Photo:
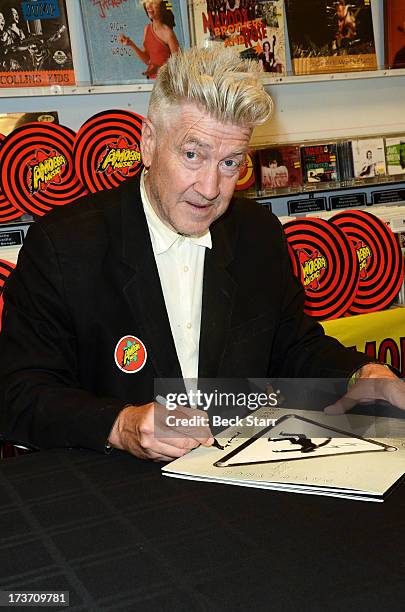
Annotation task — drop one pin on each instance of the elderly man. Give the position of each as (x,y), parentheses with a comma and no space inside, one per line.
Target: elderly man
(163,277)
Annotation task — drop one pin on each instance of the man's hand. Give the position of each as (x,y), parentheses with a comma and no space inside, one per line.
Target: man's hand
(374,382)
(146,432)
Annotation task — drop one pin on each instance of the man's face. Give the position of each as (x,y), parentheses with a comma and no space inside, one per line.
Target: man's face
(193,166)
(15,15)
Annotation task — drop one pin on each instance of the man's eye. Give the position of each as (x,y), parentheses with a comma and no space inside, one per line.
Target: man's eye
(231,163)
(191,155)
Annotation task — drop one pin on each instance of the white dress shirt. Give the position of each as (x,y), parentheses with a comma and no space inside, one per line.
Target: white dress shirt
(180,262)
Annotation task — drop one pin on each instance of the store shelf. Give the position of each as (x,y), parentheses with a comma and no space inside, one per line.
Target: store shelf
(86,89)
(309,188)
(73,90)
(336,76)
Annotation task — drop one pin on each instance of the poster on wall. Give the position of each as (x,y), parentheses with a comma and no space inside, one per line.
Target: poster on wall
(128,42)
(35,48)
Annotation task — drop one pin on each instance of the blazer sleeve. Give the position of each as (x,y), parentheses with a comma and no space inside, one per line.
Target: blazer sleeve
(41,402)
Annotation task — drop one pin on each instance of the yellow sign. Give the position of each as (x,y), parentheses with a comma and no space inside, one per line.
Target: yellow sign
(379,334)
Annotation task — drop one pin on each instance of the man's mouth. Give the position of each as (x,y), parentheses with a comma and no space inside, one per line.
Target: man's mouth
(199,205)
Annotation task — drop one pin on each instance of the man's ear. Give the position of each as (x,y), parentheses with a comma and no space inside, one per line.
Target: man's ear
(148,142)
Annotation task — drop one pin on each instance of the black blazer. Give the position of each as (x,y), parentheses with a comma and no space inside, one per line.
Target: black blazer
(87,276)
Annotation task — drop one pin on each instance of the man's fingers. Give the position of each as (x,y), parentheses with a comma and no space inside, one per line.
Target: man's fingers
(153,432)
(208,442)
(182,422)
(368,390)
(341,406)
(168,447)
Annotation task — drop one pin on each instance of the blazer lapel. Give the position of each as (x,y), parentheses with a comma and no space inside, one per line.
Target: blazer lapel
(217,303)
(143,292)
(142,288)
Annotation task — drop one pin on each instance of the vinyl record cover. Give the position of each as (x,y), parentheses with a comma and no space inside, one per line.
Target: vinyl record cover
(395,155)
(394,31)
(319,163)
(35,46)
(280,167)
(291,455)
(345,160)
(368,157)
(255,29)
(327,36)
(128,41)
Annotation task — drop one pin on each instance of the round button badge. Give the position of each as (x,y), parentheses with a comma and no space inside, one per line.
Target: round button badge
(130,354)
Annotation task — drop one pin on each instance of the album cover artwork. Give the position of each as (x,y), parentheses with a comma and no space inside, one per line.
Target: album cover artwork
(368,157)
(300,452)
(394,31)
(345,160)
(327,36)
(35,48)
(129,41)
(395,155)
(319,163)
(254,28)
(280,167)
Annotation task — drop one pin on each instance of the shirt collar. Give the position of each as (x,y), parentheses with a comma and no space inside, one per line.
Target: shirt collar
(162,236)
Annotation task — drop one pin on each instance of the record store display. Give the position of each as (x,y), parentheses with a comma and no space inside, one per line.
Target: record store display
(36,167)
(106,149)
(380,260)
(325,262)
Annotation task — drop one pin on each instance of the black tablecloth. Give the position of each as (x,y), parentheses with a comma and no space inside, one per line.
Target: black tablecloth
(119,536)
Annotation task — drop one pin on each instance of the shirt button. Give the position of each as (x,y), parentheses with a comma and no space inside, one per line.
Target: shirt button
(186,268)
(189,326)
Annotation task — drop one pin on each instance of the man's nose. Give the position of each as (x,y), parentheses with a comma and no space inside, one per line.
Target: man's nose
(208,182)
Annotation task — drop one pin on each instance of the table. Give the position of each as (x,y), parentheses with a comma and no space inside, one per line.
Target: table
(119,536)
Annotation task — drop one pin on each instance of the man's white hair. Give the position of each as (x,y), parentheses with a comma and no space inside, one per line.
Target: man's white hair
(217,80)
